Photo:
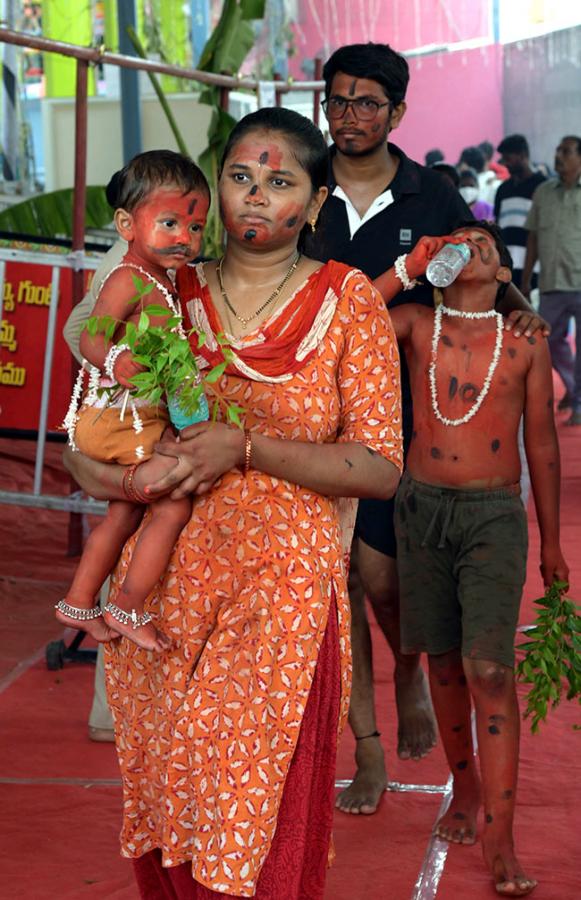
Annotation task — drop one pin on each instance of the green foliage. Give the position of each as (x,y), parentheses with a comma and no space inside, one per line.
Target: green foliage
(552,661)
(225,51)
(51,215)
(169,364)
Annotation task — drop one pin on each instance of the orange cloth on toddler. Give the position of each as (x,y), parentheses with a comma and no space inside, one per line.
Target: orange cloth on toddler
(101,434)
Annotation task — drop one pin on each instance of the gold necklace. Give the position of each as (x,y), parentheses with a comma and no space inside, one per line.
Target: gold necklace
(276,293)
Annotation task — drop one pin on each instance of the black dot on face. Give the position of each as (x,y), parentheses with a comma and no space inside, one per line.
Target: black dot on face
(263,158)
(511,352)
(192,206)
(493,729)
(447,341)
(495,445)
(253,190)
(290,223)
(463,764)
(488,818)
(248,235)
(436,453)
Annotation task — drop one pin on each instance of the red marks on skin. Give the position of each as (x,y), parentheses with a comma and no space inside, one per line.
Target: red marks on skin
(258,152)
(165,230)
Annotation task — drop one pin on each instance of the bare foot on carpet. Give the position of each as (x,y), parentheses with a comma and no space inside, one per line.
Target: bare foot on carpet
(509,878)
(367,788)
(458,824)
(417,730)
(97,628)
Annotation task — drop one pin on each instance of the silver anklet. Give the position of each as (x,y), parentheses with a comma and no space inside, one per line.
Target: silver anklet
(126,618)
(76,613)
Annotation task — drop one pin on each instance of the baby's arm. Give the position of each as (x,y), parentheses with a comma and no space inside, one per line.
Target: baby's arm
(116,299)
(542,451)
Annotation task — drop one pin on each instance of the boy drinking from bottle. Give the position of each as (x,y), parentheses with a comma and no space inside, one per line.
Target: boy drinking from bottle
(461,526)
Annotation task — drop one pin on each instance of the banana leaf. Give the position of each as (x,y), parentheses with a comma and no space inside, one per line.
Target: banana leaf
(51,215)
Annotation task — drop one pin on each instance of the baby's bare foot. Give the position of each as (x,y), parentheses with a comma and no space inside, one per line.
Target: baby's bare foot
(458,824)
(509,878)
(367,788)
(137,627)
(99,630)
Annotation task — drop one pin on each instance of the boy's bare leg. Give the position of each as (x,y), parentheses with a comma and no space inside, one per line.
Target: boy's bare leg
(498,727)
(375,574)
(101,552)
(151,555)
(451,698)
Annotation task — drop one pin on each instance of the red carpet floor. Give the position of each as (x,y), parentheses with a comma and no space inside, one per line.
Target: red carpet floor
(60,799)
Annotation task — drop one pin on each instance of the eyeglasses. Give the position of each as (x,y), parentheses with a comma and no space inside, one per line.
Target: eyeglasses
(364,109)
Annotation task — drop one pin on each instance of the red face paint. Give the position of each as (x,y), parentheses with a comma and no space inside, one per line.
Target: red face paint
(167,228)
(265,194)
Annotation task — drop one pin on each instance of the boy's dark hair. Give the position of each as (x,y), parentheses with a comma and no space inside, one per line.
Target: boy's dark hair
(514,143)
(377,62)
(449,171)
(504,256)
(474,158)
(148,171)
(311,151)
(468,173)
(433,156)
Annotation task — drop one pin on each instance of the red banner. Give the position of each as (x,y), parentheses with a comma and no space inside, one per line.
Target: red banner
(23,331)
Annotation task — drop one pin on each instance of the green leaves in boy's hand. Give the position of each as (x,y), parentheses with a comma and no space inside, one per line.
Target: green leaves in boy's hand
(552,661)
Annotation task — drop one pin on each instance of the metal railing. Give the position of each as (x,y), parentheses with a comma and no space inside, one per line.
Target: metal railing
(76,260)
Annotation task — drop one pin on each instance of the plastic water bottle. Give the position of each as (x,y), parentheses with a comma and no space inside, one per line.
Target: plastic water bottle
(446,265)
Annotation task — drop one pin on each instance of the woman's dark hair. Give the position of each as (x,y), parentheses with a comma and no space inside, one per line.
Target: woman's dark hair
(148,171)
(503,253)
(448,171)
(377,62)
(307,141)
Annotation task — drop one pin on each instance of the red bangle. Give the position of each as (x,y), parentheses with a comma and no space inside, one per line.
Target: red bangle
(129,487)
(247,450)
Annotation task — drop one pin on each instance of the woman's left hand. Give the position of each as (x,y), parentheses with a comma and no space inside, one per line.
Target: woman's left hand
(203,452)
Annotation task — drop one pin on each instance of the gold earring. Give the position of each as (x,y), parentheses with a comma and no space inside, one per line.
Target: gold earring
(313,224)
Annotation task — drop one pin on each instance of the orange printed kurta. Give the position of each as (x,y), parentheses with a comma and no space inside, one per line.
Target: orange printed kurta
(206,732)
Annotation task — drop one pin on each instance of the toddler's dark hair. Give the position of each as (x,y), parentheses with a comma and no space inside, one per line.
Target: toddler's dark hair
(148,171)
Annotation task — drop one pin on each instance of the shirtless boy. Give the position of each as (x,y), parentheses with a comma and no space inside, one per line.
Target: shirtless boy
(461,527)
(160,210)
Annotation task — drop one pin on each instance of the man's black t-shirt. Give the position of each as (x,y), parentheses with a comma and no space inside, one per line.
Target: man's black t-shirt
(419,201)
(422,202)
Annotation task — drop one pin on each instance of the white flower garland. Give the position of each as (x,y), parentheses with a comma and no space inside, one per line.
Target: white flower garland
(488,314)
(401,272)
(113,354)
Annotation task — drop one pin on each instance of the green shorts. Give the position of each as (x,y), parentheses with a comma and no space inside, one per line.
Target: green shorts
(461,559)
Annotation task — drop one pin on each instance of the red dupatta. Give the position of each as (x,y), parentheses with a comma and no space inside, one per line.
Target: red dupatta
(272,352)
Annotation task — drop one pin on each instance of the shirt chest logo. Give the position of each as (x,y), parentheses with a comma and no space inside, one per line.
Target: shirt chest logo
(405,235)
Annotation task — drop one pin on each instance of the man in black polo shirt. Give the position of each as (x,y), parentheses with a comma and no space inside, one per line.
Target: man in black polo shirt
(380,202)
